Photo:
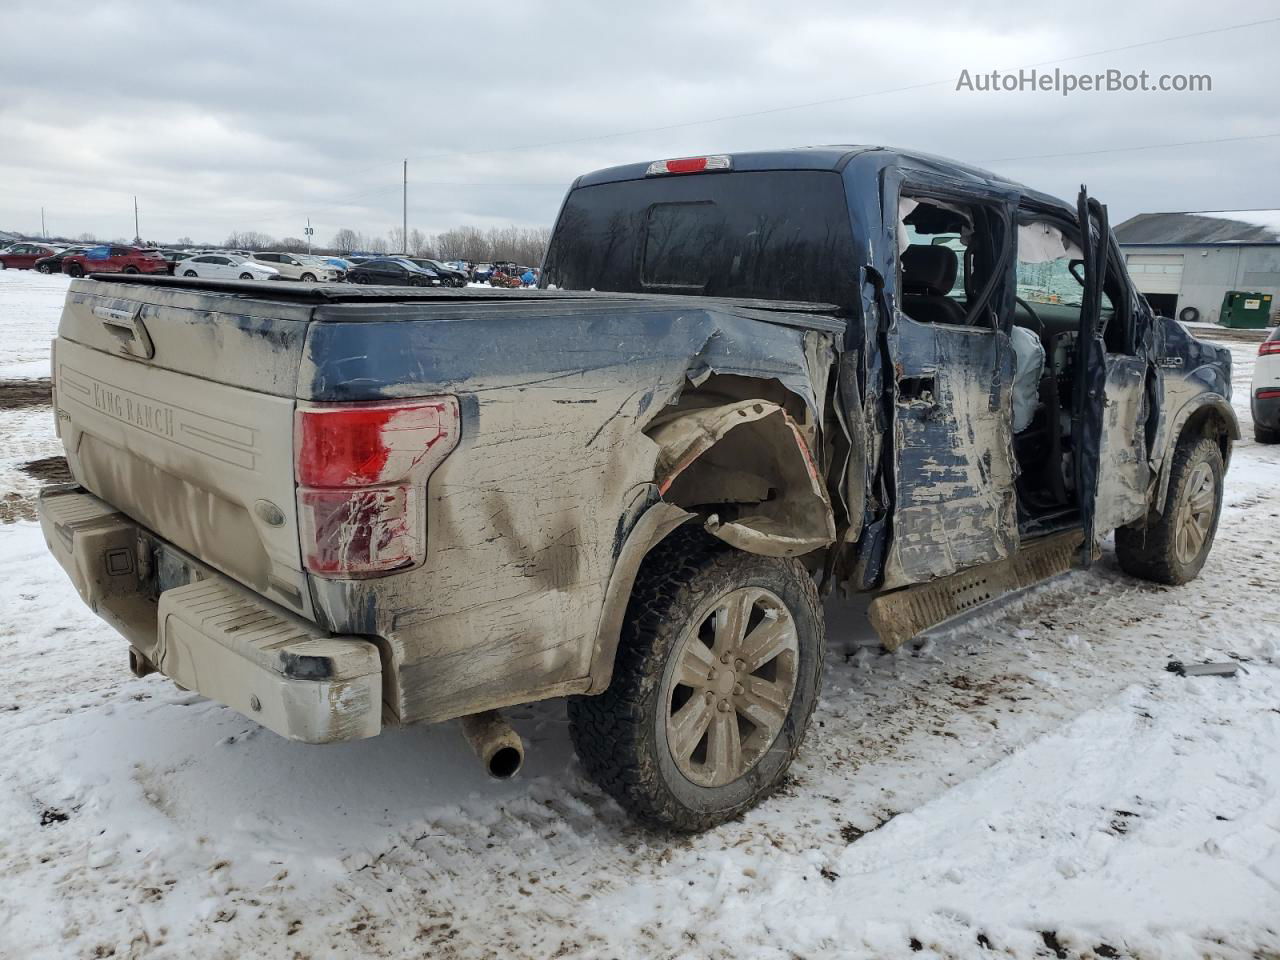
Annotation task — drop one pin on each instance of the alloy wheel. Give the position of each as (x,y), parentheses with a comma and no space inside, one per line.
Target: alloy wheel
(1195,513)
(731,688)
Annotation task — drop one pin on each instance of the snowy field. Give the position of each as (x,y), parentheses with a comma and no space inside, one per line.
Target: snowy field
(1031,783)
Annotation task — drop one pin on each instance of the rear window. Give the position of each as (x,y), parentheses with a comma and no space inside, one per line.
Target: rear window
(770,235)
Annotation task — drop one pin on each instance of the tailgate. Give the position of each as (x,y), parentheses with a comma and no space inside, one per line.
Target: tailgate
(176,407)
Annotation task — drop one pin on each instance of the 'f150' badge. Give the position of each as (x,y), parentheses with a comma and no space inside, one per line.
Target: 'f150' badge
(1168,361)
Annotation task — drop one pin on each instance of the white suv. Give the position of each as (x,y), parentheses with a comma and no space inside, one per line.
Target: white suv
(1265,390)
(299,267)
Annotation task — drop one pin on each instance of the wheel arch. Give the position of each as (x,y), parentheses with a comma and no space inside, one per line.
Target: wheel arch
(1207,415)
(745,470)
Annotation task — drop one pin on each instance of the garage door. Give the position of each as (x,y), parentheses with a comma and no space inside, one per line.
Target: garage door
(1156,272)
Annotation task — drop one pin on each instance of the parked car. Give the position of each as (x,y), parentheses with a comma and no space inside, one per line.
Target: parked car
(225,266)
(299,267)
(339,263)
(23,255)
(450,276)
(633,489)
(395,270)
(1265,390)
(110,258)
(173,257)
(53,263)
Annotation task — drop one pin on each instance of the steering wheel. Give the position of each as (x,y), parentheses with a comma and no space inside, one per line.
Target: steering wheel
(1034,316)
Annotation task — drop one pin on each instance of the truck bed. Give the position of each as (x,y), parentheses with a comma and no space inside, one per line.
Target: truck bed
(820,316)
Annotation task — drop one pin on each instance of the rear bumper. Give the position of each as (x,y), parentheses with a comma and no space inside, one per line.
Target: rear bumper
(1266,412)
(208,633)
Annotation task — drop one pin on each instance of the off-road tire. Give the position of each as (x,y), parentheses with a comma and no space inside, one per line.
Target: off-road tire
(1265,435)
(619,735)
(1149,551)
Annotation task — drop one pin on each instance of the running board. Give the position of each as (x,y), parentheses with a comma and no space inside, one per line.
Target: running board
(902,614)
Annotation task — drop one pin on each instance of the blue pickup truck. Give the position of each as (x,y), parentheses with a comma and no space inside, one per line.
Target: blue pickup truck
(744,381)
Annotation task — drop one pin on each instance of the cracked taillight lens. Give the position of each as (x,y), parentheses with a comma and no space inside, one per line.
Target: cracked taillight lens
(362,472)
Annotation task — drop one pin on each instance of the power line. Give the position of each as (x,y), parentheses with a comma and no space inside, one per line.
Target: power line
(1144,146)
(834,100)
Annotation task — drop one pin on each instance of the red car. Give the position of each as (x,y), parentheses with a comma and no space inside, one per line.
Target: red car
(22,256)
(112,259)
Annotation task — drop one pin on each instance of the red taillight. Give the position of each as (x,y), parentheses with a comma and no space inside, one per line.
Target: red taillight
(689,165)
(1268,347)
(1268,394)
(362,470)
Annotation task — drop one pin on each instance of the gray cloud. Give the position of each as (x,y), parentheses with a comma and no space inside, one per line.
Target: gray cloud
(252,117)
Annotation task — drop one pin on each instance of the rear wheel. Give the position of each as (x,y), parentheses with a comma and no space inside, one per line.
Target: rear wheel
(717,673)
(130,269)
(189,273)
(1173,546)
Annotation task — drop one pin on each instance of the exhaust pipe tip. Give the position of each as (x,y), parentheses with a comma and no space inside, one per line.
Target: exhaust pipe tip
(493,741)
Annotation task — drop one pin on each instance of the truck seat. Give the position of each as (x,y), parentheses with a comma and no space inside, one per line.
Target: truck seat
(928,274)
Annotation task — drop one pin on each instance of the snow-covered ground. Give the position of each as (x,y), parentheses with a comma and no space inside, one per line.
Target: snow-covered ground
(1029,783)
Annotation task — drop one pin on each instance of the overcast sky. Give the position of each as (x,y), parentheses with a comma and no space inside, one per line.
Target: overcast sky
(231,116)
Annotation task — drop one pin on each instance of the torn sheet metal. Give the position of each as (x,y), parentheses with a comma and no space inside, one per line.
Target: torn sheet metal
(522,518)
(755,455)
(954,465)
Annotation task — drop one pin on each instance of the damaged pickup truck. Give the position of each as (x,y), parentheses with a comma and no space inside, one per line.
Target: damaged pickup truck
(747,380)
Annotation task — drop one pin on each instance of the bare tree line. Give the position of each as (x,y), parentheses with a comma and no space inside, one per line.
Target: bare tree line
(524,245)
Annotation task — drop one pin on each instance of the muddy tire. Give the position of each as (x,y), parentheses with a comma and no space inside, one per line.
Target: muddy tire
(1265,435)
(1173,546)
(718,670)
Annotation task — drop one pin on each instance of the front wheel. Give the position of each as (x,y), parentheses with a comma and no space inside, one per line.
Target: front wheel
(1172,547)
(130,269)
(76,270)
(309,277)
(246,276)
(717,673)
(44,268)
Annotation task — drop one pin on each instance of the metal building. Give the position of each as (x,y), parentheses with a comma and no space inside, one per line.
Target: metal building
(1184,262)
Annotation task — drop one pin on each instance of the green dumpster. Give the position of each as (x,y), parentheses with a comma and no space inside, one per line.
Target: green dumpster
(1251,310)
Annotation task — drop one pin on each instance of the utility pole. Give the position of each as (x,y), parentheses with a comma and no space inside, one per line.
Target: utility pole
(44,234)
(137,234)
(404,225)
(310,232)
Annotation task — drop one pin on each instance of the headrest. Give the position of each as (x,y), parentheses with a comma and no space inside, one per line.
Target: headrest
(928,269)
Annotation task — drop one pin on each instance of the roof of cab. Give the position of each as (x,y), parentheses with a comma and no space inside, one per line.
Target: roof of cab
(833,157)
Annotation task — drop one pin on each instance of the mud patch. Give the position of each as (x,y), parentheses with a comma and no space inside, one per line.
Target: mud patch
(48,470)
(25,393)
(15,507)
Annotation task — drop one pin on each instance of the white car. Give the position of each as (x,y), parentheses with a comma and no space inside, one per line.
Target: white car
(299,267)
(224,266)
(1264,392)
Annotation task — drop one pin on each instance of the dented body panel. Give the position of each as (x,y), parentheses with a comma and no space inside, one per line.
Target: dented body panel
(876,448)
